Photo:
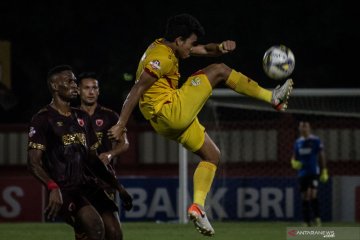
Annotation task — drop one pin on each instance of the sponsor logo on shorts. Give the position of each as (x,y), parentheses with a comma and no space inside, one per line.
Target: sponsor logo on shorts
(196,81)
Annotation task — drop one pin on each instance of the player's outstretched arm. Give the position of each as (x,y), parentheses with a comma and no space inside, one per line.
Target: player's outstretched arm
(214,49)
(144,82)
(118,148)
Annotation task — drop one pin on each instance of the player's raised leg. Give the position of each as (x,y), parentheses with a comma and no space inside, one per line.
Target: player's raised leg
(242,84)
(278,98)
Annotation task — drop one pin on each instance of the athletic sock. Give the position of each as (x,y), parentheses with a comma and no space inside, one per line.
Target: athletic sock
(203,178)
(244,85)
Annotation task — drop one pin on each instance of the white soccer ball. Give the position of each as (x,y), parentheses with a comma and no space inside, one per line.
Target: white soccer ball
(278,62)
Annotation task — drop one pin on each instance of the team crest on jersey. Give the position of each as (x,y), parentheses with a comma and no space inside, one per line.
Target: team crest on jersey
(195,81)
(155,64)
(99,122)
(32,131)
(81,122)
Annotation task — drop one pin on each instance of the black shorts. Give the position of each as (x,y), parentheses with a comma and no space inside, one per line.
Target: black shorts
(73,201)
(306,182)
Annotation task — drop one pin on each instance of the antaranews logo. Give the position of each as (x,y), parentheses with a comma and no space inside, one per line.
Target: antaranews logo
(316,233)
(292,233)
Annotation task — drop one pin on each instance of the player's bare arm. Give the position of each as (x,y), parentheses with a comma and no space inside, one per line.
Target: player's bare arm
(213,49)
(145,81)
(118,148)
(36,168)
(35,165)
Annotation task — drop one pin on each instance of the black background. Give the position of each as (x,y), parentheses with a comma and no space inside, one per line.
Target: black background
(110,37)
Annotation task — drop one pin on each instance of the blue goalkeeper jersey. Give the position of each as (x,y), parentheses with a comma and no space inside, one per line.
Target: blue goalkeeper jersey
(307,152)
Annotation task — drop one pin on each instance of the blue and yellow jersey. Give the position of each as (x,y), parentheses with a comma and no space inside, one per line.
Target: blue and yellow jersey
(307,151)
(159,61)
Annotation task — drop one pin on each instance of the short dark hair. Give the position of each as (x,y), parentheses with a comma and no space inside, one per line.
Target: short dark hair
(56,70)
(183,25)
(84,75)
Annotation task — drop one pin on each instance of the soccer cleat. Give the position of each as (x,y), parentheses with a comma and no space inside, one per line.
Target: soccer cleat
(280,95)
(317,222)
(198,216)
(305,224)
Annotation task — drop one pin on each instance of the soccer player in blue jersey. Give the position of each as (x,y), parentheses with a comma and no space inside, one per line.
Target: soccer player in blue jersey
(309,160)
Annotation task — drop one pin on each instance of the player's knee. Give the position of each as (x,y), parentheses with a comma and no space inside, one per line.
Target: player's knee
(218,68)
(217,72)
(97,232)
(218,155)
(113,233)
(215,156)
(96,235)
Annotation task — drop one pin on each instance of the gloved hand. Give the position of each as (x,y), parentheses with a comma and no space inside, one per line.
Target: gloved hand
(296,164)
(324,175)
(125,198)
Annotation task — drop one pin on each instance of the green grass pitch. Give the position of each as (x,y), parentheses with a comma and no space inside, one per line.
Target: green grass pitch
(159,231)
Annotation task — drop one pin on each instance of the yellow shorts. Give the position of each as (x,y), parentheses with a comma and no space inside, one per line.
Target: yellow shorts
(177,120)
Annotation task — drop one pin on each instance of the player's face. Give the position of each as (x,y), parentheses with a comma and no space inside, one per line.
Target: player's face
(89,91)
(184,46)
(66,86)
(304,128)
